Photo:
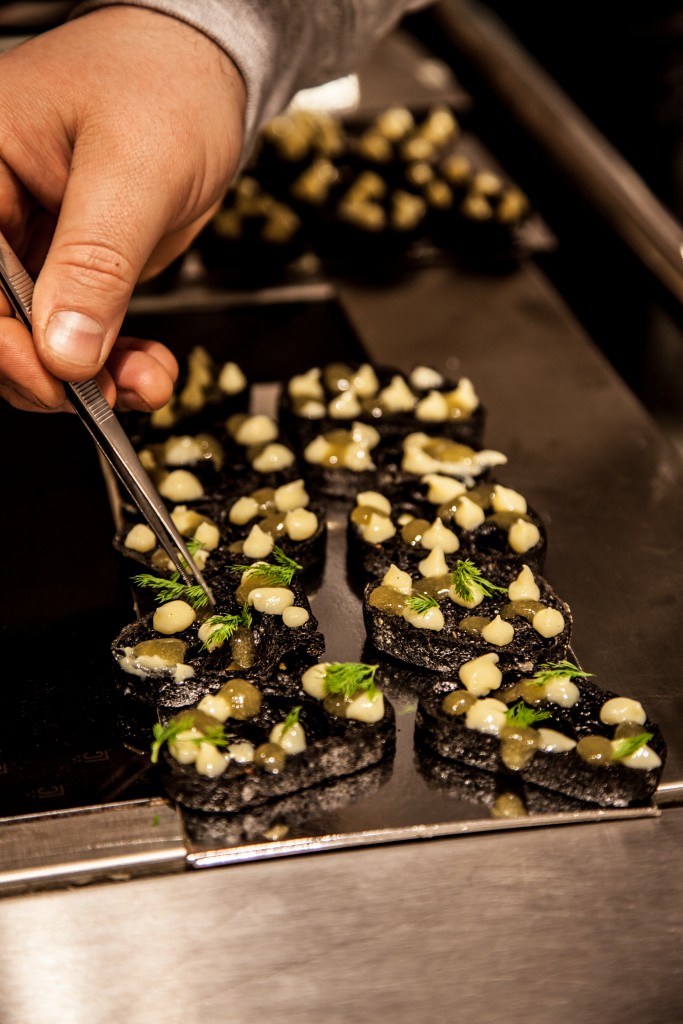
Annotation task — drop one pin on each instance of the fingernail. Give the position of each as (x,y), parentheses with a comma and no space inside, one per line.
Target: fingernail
(75,337)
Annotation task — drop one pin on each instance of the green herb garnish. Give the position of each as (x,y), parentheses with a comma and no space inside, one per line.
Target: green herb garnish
(193,546)
(346,677)
(291,719)
(629,745)
(421,603)
(167,733)
(227,625)
(552,670)
(522,715)
(278,575)
(466,577)
(172,590)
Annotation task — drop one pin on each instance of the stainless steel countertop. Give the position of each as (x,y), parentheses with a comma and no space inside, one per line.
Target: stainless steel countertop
(579,923)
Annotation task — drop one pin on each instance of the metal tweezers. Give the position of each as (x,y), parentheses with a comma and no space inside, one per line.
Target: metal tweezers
(92,407)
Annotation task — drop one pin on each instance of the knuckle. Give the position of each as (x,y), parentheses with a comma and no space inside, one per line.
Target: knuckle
(98,265)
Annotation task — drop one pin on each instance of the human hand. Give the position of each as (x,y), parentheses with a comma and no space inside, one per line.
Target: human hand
(119,134)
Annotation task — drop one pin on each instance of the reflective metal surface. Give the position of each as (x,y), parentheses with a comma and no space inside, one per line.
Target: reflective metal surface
(540,925)
(550,435)
(579,151)
(112,842)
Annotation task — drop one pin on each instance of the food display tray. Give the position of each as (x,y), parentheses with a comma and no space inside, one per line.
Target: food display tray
(68,766)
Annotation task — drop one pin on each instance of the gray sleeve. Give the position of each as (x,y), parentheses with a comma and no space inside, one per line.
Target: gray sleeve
(281,46)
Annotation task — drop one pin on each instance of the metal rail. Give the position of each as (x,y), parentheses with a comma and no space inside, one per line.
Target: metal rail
(580,151)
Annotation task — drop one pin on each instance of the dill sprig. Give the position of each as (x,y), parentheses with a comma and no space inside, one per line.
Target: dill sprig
(557,669)
(629,745)
(466,577)
(227,625)
(193,546)
(278,575)
(291,720)
(172,590)
(347,677)
(522,715)
(167,733)
(421,603)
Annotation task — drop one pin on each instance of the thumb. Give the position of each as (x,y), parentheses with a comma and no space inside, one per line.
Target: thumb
(104,235)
